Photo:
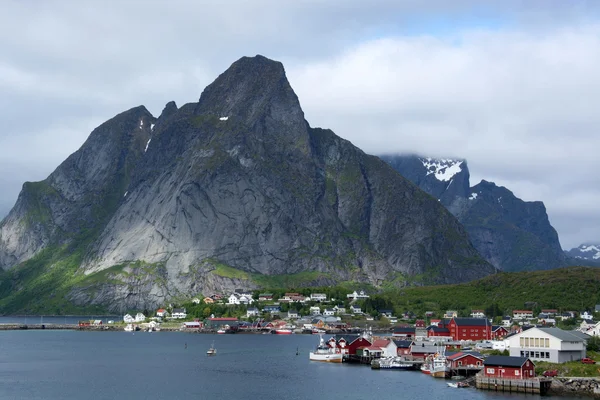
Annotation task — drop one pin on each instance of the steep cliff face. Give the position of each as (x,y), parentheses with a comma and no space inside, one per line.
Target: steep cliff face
(80,196)
(511,234)
(240,182)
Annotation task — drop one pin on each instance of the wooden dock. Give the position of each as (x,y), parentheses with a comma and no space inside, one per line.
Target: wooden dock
(534,386)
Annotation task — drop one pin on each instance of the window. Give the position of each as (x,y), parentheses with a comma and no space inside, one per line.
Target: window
(490,370)
(547,342)
(547,355)
(522,353)
(522,342)
(517,372)
(537,354)
(526,342)
(460,363)
(537,342)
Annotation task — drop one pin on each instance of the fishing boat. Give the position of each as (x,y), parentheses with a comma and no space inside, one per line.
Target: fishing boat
(283,331)
(325,353)
(439,367)
(393,363)
(212,351)
(426,369)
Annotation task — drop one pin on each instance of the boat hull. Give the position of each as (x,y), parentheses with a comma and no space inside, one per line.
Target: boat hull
(332,358)
(283,332)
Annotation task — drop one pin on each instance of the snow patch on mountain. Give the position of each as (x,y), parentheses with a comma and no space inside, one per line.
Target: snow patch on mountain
(443,169)
(587,251)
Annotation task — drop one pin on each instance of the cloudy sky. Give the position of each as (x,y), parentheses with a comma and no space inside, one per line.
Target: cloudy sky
(512,86)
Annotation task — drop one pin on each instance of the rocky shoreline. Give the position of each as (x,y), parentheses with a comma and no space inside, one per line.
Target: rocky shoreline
(576,386)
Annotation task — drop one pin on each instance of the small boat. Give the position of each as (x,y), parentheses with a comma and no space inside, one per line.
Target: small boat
(425,369)
(283,331)
(394,363)
(458,384)
(316,331)
(325,353)
(129,328)
(221,331)
(212,351)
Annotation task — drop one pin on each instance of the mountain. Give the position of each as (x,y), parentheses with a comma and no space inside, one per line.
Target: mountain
(586,251)
(234,191)
(511,234)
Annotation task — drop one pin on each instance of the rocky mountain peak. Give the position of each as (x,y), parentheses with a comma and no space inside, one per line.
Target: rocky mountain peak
(255,91)
(586,251)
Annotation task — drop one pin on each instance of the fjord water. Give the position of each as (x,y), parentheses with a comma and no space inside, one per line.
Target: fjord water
(120,365)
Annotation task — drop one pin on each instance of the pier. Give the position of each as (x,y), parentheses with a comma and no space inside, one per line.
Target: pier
(534,386)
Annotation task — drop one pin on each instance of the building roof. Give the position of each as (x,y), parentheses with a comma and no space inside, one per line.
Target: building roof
(381,342)
(505,361)
(567,336)
(437,329)
(471,321)
(223,319)
(497,327)
(404,329)
(461,354)
(403,344)
(582,335)
(424,348)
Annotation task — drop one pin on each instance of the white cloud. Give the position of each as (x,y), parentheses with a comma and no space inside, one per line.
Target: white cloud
(515,90)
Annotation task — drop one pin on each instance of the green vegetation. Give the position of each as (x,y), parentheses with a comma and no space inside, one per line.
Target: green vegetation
(300,279)
(571,368)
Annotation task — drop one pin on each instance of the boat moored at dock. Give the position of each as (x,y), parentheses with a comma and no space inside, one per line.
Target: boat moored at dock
(324,353)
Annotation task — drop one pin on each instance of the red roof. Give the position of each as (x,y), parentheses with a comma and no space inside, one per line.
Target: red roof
(223,319)
(161,310)
(373,348)
(381,342)
(461,355)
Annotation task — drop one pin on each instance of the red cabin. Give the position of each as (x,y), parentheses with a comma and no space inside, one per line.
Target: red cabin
(465,360)
(470,329)
(506,367)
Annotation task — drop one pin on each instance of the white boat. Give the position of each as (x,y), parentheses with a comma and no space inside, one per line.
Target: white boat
(439,367)
(283,331)
(325,353)
(394,363)
(129,328)
(212,351)
(452,384)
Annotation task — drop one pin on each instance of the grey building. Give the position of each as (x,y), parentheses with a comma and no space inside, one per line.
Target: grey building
(548,344)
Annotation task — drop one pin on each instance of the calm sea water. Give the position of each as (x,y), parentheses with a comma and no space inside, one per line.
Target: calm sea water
(120,365)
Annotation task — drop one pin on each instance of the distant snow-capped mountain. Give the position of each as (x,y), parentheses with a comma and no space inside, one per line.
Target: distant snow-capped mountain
(587,251)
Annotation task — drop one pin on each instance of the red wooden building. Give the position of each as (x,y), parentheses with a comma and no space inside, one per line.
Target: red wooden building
(470,328)
(506,367)
(437,331)
(420,323)
(403,347)
(465,360)
(499,332)
(347,344)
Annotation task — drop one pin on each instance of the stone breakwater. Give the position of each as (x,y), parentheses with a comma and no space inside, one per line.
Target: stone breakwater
(577,386)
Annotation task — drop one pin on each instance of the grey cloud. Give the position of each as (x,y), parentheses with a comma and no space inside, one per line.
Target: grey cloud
(518,101)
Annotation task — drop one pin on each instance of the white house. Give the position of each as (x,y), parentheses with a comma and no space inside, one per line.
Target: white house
(139,317)
(506,322)
(548,344)
(315,310)
(328,311)
(357,296)
(161,312)
(292,314)
(477,314)
(522,314)
(233,299)
(128,318)
(252,312)
(179,313)
(318,297)
(586,315)
(196,300)
(246,299)
(339,309)
(355,310)
(450,314)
